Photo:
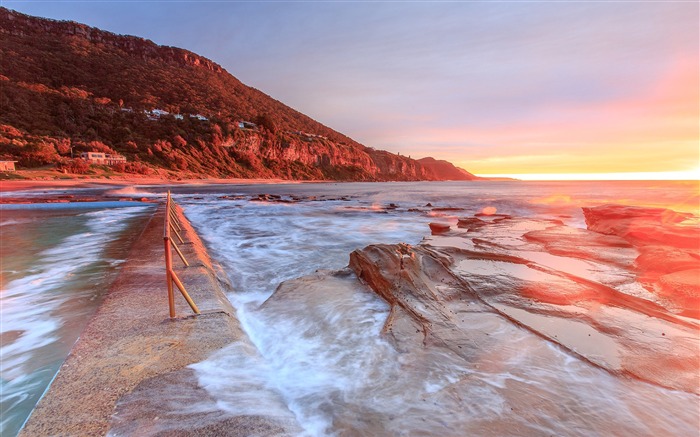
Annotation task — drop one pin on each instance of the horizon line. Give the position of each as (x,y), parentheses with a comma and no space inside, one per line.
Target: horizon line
(688,175)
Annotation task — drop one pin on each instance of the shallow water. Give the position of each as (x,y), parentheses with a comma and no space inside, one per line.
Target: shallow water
(318,355)
(57,262)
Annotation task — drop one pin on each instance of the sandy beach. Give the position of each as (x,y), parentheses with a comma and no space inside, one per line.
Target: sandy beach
(18,185)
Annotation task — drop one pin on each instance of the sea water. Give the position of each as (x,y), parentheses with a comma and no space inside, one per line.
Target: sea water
(58,260)
(324,361)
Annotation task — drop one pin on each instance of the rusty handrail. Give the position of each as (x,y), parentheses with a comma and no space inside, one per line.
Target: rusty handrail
(172,223)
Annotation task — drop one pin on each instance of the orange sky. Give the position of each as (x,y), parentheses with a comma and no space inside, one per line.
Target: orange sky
(655,132)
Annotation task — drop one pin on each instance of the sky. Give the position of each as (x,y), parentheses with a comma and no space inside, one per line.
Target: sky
(545,90)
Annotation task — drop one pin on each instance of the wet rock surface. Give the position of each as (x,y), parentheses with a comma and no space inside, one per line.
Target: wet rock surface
(519,326)
(501,326)
(595,294)
(176,405)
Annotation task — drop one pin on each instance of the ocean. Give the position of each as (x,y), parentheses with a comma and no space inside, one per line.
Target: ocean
(324,361)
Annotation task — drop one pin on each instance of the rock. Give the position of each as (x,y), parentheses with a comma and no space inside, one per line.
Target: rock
(583,244)
(668,243)
(447,209)
(438,228)
(492,327)
(470,223)
(659,259)
(619,338)
(644,225)
(268,198)
(682,288)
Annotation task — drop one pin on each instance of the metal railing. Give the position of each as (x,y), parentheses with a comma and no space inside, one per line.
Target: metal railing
(172,223)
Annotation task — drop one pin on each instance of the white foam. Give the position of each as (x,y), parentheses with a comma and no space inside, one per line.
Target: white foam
(29,301)
(134,192)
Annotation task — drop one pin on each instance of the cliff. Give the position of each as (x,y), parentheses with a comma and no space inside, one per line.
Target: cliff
(69,87)
(446,169)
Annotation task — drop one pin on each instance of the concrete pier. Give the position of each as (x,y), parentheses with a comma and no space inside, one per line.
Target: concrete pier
(131,345)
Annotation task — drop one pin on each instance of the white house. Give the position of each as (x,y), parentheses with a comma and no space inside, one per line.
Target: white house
(102,158)
(7,165)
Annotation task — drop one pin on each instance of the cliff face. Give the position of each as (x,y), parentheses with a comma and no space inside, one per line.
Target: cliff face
(67,85)
(446,170)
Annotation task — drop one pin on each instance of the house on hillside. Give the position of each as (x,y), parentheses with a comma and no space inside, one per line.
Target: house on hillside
(7,165)
(156,114)
(309,137)
(102,158)
(247,125)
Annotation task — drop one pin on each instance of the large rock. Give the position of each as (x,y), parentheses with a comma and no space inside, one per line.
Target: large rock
(644,225)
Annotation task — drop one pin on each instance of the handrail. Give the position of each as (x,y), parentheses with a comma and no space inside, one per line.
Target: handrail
(172,223)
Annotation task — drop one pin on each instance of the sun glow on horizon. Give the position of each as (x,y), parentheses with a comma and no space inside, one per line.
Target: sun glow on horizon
(688,175)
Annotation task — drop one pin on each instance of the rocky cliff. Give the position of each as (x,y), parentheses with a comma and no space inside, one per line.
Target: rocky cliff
(67,86)
(446,169)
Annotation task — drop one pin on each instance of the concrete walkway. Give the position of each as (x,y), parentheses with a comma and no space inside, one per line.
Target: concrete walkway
(131,342)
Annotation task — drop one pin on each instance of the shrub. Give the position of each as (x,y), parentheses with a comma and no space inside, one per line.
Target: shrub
(38,154)
(75,166)
(137,168)
(265,120)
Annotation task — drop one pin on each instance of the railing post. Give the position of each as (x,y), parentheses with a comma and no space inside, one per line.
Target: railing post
(187,297)
(177,234)
(175,221)
(168,259)
(182,257)
(172,223)
(169,278)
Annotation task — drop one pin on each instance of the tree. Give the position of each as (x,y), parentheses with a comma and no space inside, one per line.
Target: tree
(265,120)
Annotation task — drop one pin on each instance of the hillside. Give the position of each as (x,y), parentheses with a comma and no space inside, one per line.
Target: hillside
(66,88)
(446,169)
